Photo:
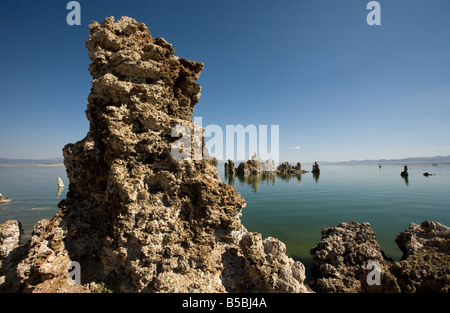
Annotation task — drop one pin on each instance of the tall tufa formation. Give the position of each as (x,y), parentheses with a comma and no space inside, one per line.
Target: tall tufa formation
(136,218)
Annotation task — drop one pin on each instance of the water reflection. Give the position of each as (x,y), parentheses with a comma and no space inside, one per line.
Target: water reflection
(255,179)
(289,176)
(60,187)
(405,175)
(58,193)
(316,176)
(406,180)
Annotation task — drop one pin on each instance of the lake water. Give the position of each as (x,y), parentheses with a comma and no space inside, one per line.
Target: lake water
(34,191)
(295,208)
(292,208)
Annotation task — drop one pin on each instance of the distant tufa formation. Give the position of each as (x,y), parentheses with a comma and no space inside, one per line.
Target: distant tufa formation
(255,166)
(4,200)
(136,219)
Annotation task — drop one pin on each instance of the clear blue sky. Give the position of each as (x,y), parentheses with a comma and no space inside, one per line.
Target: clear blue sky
(339,88)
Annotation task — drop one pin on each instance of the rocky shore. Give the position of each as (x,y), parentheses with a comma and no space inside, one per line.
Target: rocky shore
(138,220)
(342,260)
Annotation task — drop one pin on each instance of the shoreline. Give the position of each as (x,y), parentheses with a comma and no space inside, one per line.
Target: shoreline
(33,165)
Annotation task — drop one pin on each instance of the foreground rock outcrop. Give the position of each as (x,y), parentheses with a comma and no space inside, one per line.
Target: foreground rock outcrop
(10,234)
(343,257)
(425,264)
(136,218)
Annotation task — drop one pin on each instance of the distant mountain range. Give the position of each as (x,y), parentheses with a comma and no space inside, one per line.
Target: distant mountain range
(435,159)
(31,161)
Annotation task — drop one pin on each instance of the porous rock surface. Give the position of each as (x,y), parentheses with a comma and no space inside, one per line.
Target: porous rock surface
(10,233)
(342,256)
(249,167)
(425,265)
(136,218)
(230,167)
(341,259)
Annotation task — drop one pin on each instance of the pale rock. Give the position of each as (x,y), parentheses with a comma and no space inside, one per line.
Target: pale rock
(10,234)
(4,200)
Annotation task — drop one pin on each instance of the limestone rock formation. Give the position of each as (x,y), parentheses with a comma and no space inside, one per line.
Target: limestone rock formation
(428,236)
(4,200)
(249,167)
(269,166)
(405,172)
(342,257)
(135,217)
(230,167)
(425,265)
(255,166)
(315,168)
(286,168)
(60,183)
(10,233)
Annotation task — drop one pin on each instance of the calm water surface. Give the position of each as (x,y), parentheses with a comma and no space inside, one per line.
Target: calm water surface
(292,208)
(295,208)
(34,191)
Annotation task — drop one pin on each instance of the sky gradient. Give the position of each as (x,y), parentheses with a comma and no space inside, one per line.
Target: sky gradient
(338,88)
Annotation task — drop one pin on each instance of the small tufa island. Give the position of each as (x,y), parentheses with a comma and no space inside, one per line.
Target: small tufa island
(4,200)
(255,166)
(60,183)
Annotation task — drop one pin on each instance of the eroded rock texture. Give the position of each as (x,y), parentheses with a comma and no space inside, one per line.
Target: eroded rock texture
(230,167)
(249,167)
(10,233)
(135,218)
(342,257)
(425,265)
(341,260)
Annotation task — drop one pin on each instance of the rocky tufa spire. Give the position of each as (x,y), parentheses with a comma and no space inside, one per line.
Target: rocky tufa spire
(135,217)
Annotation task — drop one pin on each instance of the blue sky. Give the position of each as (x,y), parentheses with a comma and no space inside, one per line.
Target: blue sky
(337,87)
